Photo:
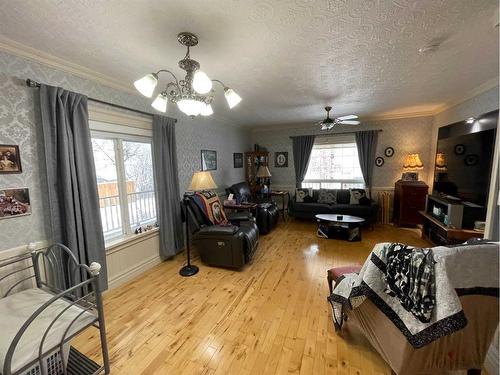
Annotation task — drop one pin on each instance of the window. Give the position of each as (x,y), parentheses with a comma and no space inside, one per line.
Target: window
(334,164)
(125,183)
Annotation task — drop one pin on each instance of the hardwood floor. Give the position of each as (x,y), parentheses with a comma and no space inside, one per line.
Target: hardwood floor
(270,318)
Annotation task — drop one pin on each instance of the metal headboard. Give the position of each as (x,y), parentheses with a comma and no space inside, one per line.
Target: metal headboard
(56,269)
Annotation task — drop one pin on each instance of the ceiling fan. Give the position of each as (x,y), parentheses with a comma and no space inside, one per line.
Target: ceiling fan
(328,123)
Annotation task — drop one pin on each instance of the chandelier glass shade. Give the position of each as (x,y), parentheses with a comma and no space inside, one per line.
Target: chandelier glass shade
(193,94)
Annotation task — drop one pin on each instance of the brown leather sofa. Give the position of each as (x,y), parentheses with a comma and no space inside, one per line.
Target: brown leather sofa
(229,246)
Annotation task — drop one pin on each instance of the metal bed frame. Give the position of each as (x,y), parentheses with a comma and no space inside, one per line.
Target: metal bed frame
(56,271)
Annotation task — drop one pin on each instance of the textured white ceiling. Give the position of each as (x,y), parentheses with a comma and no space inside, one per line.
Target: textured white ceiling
(287,58)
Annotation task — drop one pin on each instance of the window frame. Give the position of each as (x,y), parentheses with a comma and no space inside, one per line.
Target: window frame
(118,139)
(323,143)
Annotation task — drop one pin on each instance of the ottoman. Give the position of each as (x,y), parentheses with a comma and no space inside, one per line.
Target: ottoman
(267,215)
(333,274)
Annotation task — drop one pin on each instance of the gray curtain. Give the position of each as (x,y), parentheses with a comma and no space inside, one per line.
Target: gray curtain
(366,142)
(167,186)
(72,188)
(302,147)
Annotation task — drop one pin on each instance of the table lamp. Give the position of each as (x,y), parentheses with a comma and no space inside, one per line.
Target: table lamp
(411,164)
(441,162)
(201,180)
(263,172)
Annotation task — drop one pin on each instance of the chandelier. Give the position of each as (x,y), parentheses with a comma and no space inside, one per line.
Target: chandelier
(193,94)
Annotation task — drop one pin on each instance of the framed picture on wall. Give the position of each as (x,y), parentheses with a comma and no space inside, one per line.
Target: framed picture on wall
(14,202)
(10,159)
(238,160)
(281,159)
(208,160)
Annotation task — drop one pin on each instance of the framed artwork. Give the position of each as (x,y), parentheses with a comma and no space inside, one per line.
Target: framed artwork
(281,159)
(389,152)
(10,159)
(379,161)
(14,202)
(459,149)
(238,160)
(208,160)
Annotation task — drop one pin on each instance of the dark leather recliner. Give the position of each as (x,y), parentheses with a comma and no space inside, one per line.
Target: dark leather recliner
(229,246)
(267,214)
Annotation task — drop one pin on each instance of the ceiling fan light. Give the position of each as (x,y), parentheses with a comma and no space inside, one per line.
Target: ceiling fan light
(231,97)
(202,84)
(190,107)
(160,103)
(147,84)
(207,110)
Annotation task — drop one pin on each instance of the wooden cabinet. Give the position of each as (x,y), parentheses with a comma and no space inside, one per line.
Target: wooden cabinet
(253,160)
(409,198)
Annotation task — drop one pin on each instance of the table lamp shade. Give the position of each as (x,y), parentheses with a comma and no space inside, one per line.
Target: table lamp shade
(413,163)
(263,171)
(202,180)
(441,162)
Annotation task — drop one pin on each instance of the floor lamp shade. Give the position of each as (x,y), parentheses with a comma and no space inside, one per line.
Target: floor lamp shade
(202,180)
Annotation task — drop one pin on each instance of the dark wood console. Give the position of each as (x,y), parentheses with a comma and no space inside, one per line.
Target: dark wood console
(442,234)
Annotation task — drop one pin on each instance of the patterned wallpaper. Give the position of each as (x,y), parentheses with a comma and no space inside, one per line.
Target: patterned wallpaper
(404,135)
(18,125)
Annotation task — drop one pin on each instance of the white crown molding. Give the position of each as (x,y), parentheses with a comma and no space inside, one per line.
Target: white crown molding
(399,115)
(52,61)
(485,86)
(66,66)
(30,53)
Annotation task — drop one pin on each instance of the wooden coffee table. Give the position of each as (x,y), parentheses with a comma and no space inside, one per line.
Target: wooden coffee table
(344,227)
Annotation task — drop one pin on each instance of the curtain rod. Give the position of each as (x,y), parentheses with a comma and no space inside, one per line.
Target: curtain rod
(330,134)
(35,84)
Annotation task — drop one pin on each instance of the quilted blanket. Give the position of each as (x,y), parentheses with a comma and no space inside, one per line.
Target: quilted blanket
(471,268)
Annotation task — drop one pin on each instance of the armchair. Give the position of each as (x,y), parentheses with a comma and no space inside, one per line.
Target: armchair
(230,246)
(266,214)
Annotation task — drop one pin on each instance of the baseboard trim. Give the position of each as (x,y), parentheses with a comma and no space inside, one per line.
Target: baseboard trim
(491,363)
(133,271)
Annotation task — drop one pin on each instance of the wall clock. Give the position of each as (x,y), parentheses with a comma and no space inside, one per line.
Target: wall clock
(389,152)
(379,161)
(281,159)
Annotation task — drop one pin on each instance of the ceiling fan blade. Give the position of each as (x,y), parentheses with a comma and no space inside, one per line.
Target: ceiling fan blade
(348,117)
(350,122)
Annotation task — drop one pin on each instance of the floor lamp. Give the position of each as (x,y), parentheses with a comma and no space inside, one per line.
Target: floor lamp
(202,180)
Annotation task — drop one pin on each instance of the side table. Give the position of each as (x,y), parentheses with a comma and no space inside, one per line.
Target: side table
(285,200)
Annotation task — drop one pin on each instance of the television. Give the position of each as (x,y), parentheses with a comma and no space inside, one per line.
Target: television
(464,159)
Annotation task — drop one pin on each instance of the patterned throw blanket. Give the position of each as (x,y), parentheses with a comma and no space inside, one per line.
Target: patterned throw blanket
(209,203)
(419,289)
(409,276)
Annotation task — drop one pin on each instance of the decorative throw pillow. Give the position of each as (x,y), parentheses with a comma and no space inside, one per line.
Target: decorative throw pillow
(364,201)
(308,199)
(209,202)
(301,194)
(357,195)
(327,196)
